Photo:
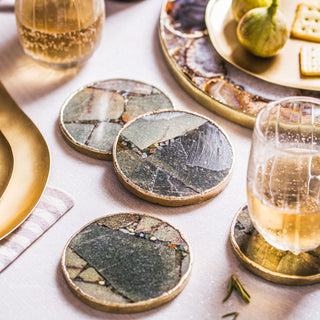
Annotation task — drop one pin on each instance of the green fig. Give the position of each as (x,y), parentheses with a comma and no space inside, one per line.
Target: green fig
(240,7)
(263,31)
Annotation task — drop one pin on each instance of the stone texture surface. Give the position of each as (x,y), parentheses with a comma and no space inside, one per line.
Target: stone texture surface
(183,154)
(93,116)
(127,258)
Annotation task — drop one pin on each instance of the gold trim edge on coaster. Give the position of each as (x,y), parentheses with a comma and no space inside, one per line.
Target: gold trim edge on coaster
(172,200)
(258,269)
(134,307)
(88,150)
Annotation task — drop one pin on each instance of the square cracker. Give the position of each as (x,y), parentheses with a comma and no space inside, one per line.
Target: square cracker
(310,60)
(306,25)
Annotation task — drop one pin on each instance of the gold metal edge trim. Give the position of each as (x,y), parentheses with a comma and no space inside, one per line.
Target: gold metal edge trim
(87,150)
(263,272)
(169,200)
(223,110)
(96,154)
(136,306)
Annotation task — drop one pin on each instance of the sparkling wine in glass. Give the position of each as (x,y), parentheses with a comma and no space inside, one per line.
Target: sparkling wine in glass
(60,33)
(283,180)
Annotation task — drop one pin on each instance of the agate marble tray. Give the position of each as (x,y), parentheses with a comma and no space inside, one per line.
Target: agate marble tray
(208,78)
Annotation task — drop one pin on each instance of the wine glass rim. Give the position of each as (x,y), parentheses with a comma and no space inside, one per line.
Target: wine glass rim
(274,103)
(258,128)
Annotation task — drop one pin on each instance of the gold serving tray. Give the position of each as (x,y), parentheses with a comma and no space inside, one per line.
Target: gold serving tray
(6,163)
(202,72)
(31,164)
(282,69)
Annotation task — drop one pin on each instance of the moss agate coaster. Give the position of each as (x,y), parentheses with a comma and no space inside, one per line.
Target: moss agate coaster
(268,262)
(173,158)
(92,116)
(126,263)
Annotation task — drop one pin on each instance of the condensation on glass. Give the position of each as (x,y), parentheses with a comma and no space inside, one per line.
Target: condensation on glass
(284,174)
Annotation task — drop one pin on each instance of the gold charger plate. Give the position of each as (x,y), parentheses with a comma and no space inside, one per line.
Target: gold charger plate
(31,164)
(282,69)
(6,163)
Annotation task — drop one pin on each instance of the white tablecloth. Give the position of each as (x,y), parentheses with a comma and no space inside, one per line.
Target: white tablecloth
(33,286)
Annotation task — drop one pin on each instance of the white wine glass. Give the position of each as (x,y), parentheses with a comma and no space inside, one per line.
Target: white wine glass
(283,179)
(60,33)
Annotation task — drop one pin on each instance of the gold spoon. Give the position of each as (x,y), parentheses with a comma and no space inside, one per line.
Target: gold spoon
(31,164)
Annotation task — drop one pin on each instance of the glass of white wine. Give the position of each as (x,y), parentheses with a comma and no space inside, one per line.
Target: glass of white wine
(60,33)
(283,179)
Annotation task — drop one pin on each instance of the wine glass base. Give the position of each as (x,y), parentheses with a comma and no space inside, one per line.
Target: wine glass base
(58,65)
(268,262)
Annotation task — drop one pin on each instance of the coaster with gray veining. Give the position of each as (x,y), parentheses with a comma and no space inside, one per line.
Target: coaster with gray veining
(127,263)
(173,158)
(92,116)
(268,262)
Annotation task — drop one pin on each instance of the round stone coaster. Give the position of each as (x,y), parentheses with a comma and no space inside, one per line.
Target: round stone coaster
(92,116)
(173,158)
(126,263)
(270,263)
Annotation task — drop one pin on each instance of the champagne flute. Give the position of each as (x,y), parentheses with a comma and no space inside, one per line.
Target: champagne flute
(283,179)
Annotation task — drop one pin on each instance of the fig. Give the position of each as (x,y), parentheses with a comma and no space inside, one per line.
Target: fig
(240,7)
(263,31)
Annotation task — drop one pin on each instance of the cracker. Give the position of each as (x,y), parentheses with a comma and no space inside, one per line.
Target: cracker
(306,25)
(310,60)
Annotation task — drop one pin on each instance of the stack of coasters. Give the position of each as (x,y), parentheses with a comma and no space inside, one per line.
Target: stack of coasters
(127,263)
(168,157)
(92,116)
(130,262)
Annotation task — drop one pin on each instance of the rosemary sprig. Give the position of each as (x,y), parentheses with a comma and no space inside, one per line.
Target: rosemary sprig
(234,283)
(243,292)
(234,314)
(229,289)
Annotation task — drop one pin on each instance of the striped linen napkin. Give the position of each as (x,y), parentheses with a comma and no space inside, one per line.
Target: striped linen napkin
(53,204)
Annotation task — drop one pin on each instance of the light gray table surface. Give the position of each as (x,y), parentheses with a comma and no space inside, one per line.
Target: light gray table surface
(33,286)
